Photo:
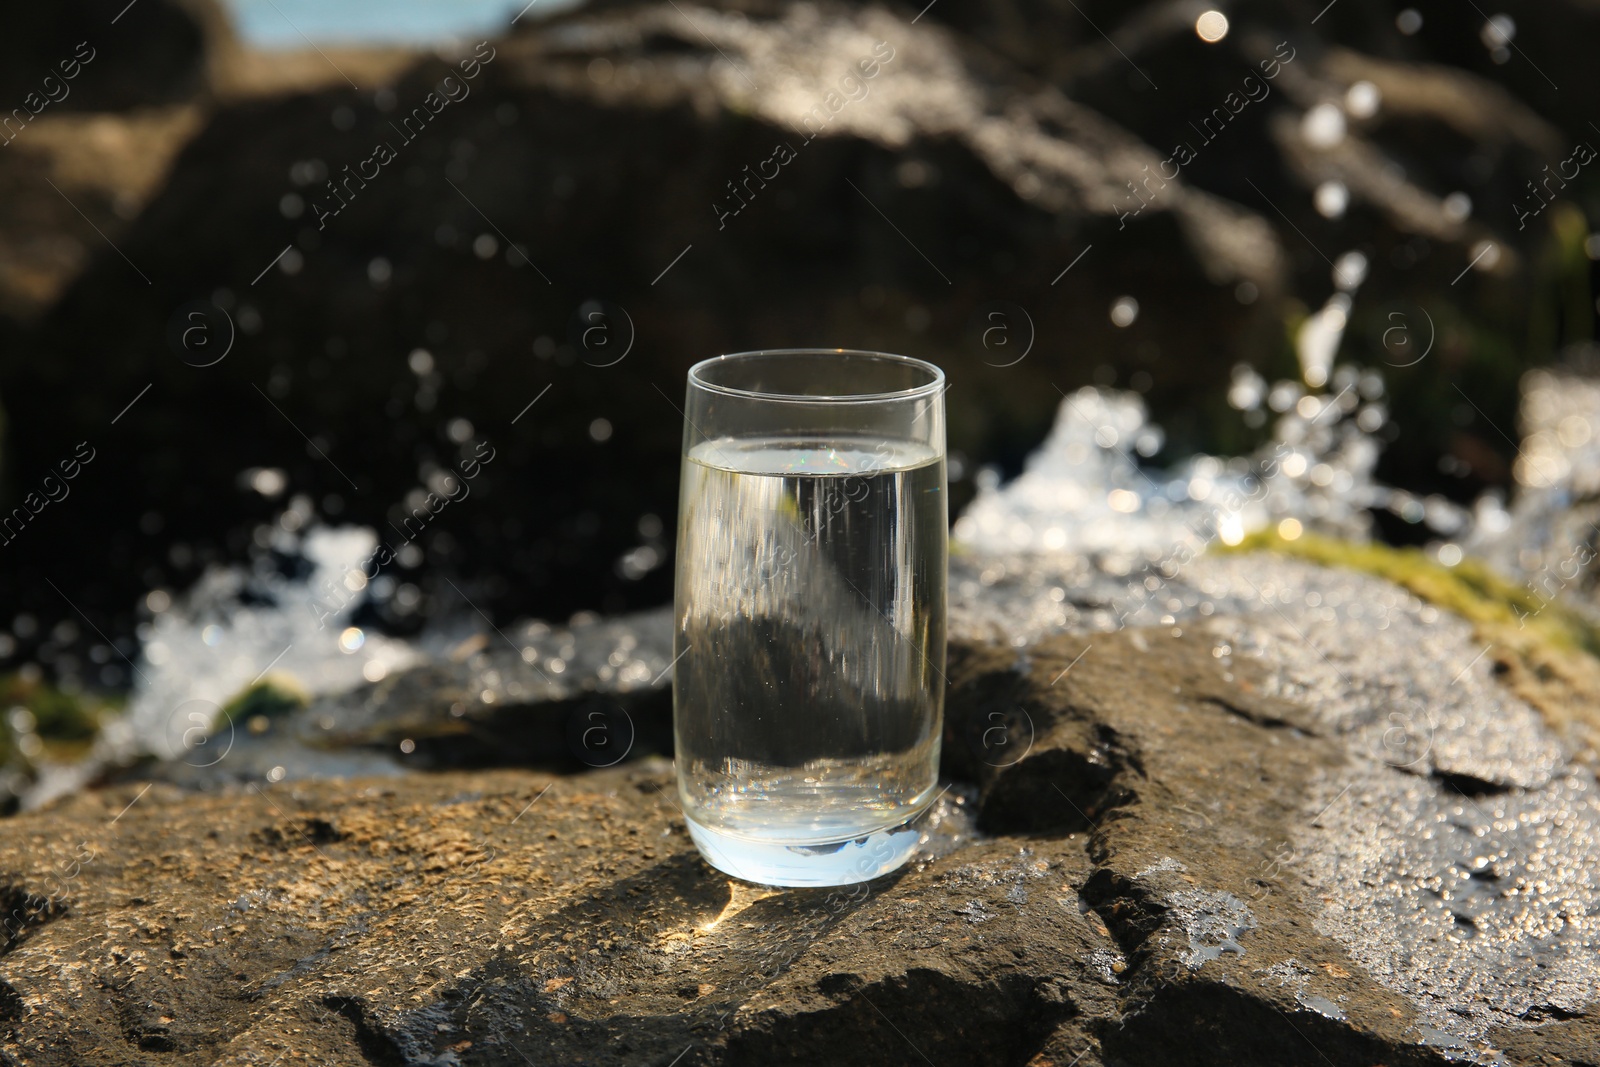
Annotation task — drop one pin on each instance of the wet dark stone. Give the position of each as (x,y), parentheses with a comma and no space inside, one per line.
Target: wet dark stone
(1166,874)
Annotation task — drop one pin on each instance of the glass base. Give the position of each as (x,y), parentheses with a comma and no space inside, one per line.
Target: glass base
(856,859)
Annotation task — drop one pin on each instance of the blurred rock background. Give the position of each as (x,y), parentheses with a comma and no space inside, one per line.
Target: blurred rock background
(565,236)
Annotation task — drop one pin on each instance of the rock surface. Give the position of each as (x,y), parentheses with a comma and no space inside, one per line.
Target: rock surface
(1295,821)
(530,695)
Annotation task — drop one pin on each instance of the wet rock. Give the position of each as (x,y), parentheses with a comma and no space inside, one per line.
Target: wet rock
(236,756)
(1142,532)
(579,925)
(530,694)
(1393,819)
(1362,658)
(591,694)
(1197,840)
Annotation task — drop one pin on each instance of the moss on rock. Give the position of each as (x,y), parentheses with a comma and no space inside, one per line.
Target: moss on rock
(64,722)
(58,715)
(269,699)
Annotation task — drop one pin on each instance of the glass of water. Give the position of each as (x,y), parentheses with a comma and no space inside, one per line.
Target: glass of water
(809,690)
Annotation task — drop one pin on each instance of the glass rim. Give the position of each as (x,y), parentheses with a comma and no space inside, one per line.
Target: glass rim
(935,383)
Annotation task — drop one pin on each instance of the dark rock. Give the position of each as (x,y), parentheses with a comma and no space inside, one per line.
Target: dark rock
(1358,773)
(603,145)
(941,144)
(591,694)
(1202,853)
(527,695)
(117,56)
(1203,791)
(236,756)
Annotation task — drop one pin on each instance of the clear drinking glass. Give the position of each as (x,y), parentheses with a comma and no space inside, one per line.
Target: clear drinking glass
(809,690)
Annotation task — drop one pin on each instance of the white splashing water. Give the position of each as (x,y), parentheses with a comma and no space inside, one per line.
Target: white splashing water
(234,628)
(1084,491)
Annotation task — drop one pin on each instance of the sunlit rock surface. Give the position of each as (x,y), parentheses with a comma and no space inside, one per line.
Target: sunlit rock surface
(1452,853)
(1204,808)
(1186,847)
